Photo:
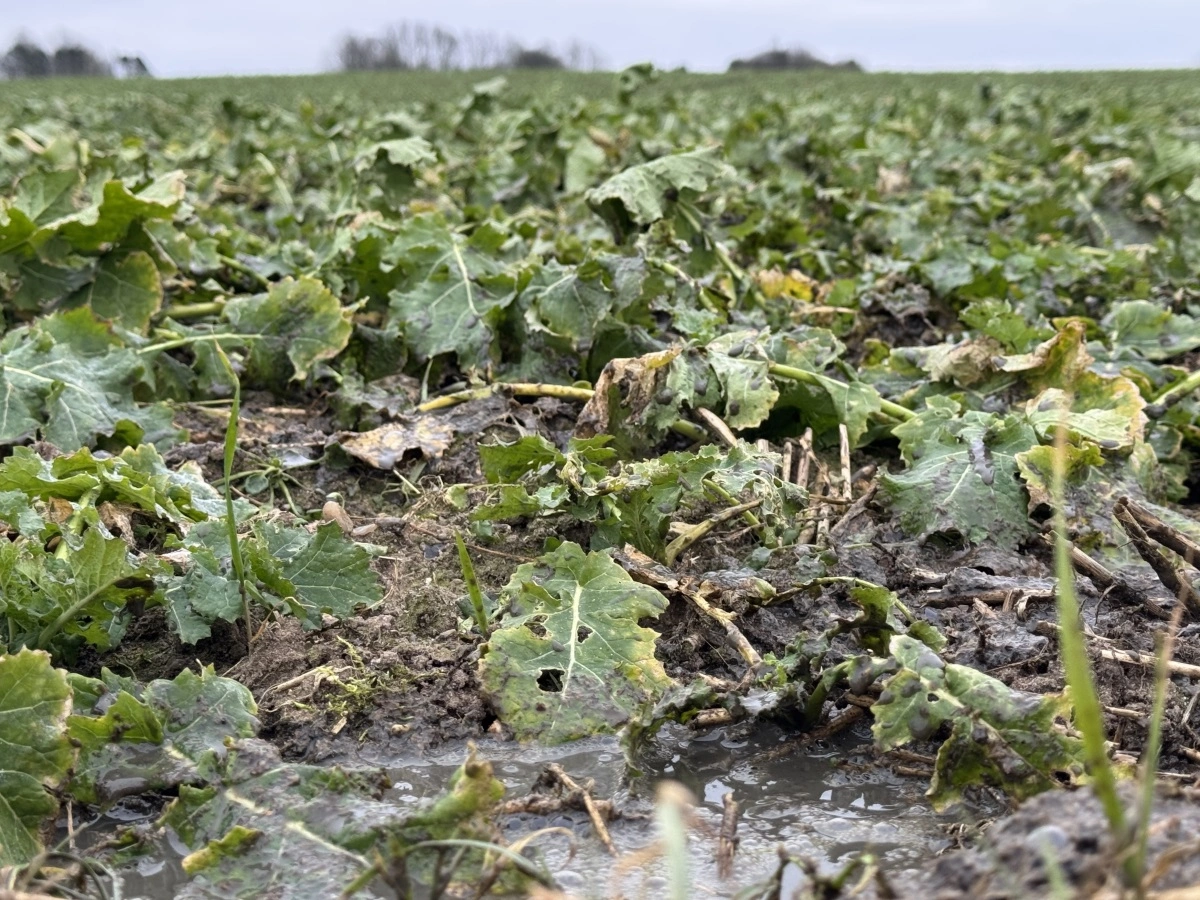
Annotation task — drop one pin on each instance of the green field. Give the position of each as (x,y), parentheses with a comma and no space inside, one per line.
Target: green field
(420,408)
(372,88)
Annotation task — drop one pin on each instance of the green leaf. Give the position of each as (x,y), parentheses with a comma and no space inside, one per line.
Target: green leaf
(17,512)
(638,195)
(35,701)
(1150,329)
(299,323)
(1108,411)
(52,600)
(962,477)
(997,319)
(108,217)
(158,736)
(648,495)
(458,293)
(567,303)
(998,737)
(137,478)
(314,573)
(71,398)
(569,658)
(326,824)
(199,711)
(749,392)
(509,463)
(127,291)
(199,597)
(402,153)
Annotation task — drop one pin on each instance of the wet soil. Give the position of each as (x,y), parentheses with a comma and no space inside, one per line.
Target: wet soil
(396,686)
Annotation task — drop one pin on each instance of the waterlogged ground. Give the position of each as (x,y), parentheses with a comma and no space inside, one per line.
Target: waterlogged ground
(708,424)
(825,804)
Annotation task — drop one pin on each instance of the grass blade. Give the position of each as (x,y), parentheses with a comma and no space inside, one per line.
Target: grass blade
(1089,717)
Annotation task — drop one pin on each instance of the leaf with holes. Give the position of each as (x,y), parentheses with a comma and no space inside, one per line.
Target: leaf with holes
(569,658)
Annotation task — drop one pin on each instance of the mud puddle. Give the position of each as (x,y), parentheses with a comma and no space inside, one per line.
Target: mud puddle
(818,802)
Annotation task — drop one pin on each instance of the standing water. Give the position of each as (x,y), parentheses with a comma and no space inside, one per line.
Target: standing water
(823,803)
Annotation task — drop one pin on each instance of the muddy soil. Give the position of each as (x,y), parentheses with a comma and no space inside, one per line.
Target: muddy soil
(400,680)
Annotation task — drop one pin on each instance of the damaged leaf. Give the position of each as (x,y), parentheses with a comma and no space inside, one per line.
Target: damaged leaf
(961,481)
(35,701)
(569,658)
(998,736)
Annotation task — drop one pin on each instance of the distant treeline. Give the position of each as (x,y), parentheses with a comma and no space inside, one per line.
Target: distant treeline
(791,59)
(26,59)
(414,45)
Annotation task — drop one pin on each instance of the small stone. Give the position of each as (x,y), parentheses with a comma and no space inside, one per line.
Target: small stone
(332,512)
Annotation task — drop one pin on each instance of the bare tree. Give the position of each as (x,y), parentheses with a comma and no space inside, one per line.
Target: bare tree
(445,45)
(25,59)
(77,60)
(528,58)
(415,45)
(582,57)
(791,59)
(482,50)
(133,67)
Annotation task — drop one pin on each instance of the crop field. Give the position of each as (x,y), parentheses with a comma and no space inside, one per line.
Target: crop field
(601,485)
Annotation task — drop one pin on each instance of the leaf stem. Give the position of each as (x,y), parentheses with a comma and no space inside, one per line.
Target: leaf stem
(192,310)
(689,430)
(699,530)
(230,263)
(748,517)
(1176,392)
(51,630)
(517,389)
(895,410)
(235,547)
(196,339)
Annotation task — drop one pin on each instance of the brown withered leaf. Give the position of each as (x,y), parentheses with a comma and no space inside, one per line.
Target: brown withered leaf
(625,398)
(431,433)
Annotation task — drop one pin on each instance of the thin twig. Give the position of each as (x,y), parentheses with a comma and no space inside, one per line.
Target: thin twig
(716,426)
(1110,584)
(727,839)
(806,457)
(725,620)
(1148,661)
(585,796)
(699,530)
(1170,537)
(1166,572)
(856,509)
(990,598)
(785,468)
(844,453)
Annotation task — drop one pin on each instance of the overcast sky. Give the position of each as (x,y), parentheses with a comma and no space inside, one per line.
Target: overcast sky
(218,37)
